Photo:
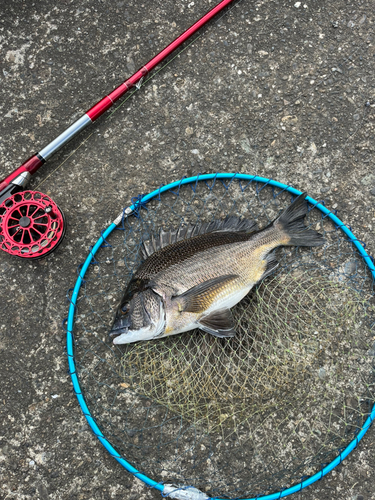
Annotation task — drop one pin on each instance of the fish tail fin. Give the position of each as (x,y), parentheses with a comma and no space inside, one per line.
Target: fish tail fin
(291,223)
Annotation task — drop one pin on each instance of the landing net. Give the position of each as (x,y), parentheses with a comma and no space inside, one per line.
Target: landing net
(243,417)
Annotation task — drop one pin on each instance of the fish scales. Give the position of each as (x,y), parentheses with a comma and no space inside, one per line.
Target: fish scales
(244,258)
(178,252)
(192,277)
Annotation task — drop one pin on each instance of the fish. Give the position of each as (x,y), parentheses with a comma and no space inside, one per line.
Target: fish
(191,277)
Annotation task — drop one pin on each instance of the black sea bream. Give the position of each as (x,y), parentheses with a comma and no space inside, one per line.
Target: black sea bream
(191,278)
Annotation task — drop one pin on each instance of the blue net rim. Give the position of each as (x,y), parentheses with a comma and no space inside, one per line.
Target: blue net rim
(70,322)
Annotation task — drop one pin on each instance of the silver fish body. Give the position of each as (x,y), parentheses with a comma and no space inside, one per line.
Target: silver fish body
(192,277)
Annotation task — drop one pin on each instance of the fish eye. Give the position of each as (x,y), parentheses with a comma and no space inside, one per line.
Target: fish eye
(125,308)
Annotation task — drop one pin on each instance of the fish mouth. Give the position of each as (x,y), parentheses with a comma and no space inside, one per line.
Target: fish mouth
(122,334)
(131,336)
(120,327)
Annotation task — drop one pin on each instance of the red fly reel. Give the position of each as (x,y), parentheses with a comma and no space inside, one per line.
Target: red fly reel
(31,225)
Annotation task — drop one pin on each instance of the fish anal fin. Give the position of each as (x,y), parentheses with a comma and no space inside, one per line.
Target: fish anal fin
(199,298)
(271,265)
(218,323)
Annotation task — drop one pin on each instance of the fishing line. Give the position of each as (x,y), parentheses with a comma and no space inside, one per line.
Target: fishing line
(139,86)
(33,230)
(31,240)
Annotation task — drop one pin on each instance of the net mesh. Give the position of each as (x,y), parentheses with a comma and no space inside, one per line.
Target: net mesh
(286,333)
(244,416)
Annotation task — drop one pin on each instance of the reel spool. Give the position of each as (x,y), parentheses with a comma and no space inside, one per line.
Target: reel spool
(31,225)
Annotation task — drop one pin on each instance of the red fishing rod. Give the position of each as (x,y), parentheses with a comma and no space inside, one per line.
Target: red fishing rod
(31,224)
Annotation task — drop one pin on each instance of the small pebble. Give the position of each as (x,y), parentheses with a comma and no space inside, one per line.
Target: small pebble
(363,19)
(325,190)
(350,268)
(368,180)
(371,352)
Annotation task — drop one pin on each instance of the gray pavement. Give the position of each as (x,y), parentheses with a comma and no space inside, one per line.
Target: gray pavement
(283,89)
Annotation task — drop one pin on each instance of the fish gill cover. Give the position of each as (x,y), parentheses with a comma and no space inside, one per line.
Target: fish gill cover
(248,415)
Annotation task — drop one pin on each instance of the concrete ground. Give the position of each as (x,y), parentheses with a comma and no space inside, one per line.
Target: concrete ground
(282,89)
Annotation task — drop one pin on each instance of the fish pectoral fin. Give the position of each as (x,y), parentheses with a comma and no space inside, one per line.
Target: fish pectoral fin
(218,323)
(199,297)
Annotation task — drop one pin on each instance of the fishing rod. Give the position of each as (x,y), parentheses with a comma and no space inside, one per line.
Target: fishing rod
(31,224)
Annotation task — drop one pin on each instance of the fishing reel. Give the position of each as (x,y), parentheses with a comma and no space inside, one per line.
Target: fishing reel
(31,224)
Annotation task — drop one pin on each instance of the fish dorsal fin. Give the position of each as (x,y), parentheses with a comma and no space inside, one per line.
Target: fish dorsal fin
(199,298)
(218,323)
(231,223)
